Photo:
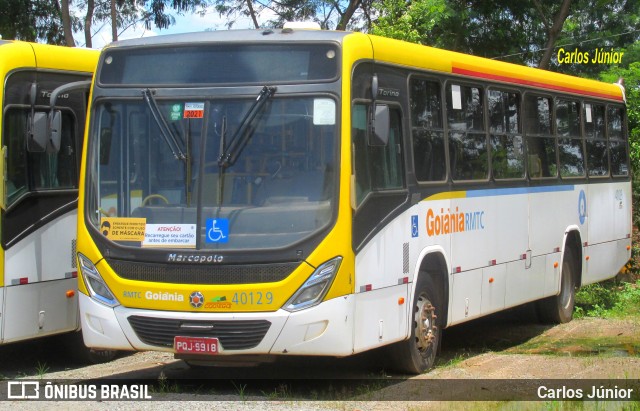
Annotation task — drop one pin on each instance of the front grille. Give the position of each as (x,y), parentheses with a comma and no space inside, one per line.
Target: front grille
(233,334)
(199,274)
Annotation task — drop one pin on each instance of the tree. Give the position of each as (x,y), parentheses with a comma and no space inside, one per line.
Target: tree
(527,32)
(414,21)
(66,23)
(553,30)
(330,14)
(31,20)
(88,23)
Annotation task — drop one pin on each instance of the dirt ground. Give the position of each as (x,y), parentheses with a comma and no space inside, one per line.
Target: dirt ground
(507,346)
(479,361)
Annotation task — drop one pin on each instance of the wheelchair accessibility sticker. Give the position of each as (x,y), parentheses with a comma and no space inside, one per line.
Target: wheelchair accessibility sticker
(217,230)
(414,226)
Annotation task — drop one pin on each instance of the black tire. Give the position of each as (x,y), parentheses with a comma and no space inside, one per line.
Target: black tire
(417,354)
(88,355)
(95,356)
(559,308)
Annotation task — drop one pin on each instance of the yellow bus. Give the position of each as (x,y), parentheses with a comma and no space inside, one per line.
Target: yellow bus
(38,272)
(253,194)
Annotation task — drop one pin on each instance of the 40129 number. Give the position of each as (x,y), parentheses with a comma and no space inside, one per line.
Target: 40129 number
(253,298)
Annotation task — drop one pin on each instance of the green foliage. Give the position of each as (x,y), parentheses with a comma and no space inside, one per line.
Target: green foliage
(410,21)
(608,299)
(31,20)
(630,72)
(509,30)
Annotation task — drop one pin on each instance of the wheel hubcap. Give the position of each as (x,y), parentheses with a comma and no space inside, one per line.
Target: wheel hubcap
(425,324)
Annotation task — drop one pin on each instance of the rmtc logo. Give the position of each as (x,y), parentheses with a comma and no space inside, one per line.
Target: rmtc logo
(453,222)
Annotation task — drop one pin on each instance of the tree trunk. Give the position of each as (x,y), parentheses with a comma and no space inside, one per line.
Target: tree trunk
(345,17)
(66,23)
(87,23)
(253,14)
(114,21)
(554,33)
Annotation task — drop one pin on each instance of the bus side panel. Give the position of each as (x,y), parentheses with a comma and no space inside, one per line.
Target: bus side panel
(39,270)
(551,211)
(494,229)
(382,277)
(44,255)
(552,274)
(609,221)
(601,213)
(381,317)
(39,309)
(467,296)
(2,313)
(492,236)
(494,283)
(601,264)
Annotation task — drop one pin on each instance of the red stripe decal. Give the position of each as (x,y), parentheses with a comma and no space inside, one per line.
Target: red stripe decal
(489,76)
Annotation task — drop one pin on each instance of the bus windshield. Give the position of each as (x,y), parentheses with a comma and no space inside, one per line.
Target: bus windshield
(279,189)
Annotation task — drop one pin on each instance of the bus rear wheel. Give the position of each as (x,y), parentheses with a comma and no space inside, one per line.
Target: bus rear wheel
(417,354)
(559,308)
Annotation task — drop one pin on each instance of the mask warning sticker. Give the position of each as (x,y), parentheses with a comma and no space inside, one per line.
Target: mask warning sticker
(123,229)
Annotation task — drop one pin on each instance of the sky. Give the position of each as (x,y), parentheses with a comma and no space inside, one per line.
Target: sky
(186,23)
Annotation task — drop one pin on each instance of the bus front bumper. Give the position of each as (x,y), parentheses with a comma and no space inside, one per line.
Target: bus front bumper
(326,329)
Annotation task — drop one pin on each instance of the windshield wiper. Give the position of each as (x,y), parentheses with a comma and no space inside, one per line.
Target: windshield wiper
(242,136)
(165,131)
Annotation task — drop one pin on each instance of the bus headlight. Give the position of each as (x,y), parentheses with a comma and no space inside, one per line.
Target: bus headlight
(315,288)
(98,289)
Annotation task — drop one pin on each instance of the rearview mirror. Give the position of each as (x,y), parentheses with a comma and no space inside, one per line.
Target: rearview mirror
(37,132)
(379,135)
(55,130)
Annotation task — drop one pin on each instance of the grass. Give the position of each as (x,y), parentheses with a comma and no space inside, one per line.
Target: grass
(41,369)
(609,299)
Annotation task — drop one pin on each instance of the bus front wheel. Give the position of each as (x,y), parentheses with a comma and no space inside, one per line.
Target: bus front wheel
(417,354)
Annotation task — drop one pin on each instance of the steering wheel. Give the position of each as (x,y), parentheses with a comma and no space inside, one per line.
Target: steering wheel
(153,197)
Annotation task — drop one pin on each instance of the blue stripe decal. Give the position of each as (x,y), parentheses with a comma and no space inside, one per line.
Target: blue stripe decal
(493,192)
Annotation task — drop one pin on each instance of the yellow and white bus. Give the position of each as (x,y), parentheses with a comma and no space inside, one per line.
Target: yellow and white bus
(253,194)
(38,272)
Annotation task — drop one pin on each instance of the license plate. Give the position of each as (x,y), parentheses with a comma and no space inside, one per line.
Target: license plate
(196,345)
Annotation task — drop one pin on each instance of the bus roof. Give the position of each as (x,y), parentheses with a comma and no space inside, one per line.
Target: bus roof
(429,58)
(403,54)
(240,36)
(20,54)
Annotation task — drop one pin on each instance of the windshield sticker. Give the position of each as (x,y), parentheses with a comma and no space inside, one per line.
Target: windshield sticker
(217,230)
(123,229)
(456,97)
(170,235)
(324,112)
(219,302)
(193,110)
(176,112)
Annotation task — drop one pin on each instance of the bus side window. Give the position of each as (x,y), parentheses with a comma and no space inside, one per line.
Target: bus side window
(15,129)
(596,139)
(617,141)
(570,149)
(37,171)
(507,148)
(376,168)
(541,144)
(57,170)
(427,131)
(467,137)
